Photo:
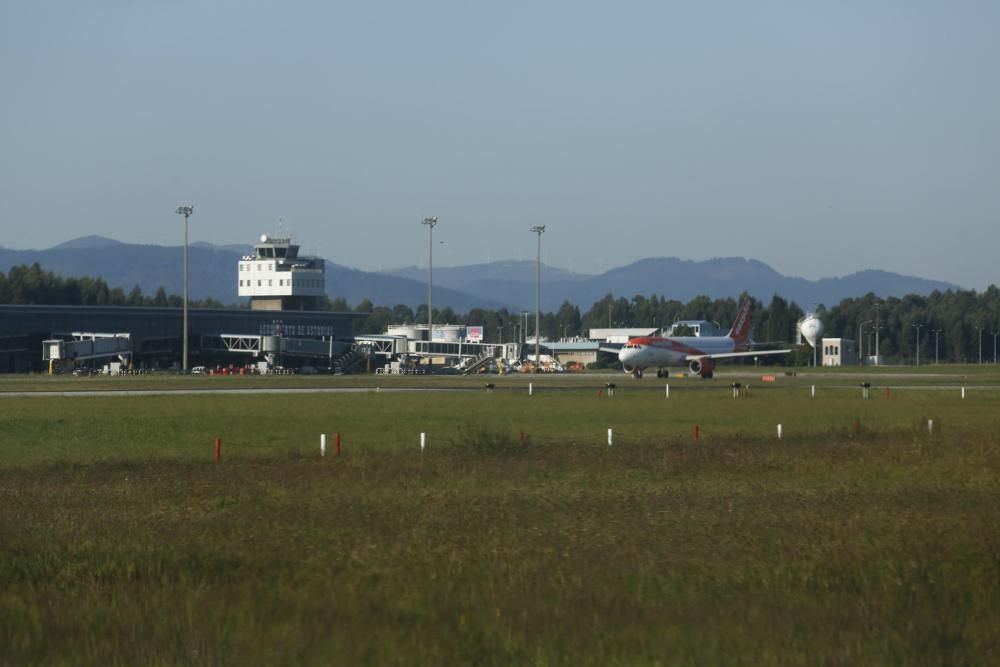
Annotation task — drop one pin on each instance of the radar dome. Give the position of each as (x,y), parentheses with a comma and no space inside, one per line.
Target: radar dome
(263,238)
(811,329)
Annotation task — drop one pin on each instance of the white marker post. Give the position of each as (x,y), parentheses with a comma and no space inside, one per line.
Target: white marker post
(322,444)
(530,389)
(779,431)
(668,391)
(610,438)
(814,391)
(930,425)
(423,441)
(963,393)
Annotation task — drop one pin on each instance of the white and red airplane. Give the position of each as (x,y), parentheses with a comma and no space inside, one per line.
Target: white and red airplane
(698,353)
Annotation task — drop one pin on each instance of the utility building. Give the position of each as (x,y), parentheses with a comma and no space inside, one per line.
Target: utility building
(276,278)
(838,352)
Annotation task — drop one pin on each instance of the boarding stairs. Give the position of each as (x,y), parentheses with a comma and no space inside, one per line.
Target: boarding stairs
(481,361)
(348,361)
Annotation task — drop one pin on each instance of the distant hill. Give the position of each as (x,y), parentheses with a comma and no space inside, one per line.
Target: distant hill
(212,273)
(508,284)
(513,283)
(87,242)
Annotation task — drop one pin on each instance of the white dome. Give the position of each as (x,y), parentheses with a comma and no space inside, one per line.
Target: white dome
(811,328)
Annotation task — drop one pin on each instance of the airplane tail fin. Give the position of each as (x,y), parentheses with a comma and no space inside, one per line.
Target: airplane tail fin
(741,326)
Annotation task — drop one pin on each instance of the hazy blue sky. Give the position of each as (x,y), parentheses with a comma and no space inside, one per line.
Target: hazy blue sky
(819,137)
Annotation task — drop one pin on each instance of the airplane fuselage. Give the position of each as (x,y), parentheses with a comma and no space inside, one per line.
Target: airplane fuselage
(658,352)
(699,353)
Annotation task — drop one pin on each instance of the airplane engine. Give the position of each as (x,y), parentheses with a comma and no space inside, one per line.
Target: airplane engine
(628,369)
(702,367)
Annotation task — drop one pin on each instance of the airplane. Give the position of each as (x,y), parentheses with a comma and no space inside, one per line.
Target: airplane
(698,353)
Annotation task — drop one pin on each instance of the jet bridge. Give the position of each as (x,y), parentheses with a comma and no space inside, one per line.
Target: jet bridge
(87,345)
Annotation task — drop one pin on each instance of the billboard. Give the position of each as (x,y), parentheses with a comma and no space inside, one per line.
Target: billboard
(474,334)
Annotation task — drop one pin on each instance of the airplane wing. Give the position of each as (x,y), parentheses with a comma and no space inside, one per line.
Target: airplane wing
(734,355)
(613,348)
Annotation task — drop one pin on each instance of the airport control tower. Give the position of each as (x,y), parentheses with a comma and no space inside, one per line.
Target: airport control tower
(276,278)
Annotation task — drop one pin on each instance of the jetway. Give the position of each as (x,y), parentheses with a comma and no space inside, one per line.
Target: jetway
(233,343)
(463,350)
(258,346)
(86,345)
(272,348)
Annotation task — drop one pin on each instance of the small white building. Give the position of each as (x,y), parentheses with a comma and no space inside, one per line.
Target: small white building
(838,351)
(619,335)
(276,278)
(697,327)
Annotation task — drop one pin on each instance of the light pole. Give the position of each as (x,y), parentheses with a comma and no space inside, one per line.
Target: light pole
(980,330)
(186,211)
(431,223)
(861,343)
(877,328)
(538,229)
(917,327)
(995,346)
(937,335)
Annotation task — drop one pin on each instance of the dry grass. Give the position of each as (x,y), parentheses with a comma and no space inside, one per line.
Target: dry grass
(124,544)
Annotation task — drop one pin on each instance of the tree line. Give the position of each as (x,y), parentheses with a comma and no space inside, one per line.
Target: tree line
(31,285)
(954,326)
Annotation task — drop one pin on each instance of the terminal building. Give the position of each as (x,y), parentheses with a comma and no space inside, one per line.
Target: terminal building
(147,338)
(282,328)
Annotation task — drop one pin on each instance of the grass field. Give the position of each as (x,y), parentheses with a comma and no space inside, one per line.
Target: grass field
(860,537)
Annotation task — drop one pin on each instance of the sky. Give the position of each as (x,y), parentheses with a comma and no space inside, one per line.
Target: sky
(822,138)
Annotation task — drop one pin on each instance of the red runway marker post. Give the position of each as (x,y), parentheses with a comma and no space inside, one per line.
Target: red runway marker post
(336,443)
(218,449)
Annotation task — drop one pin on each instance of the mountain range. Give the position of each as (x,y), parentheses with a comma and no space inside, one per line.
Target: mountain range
(510,284)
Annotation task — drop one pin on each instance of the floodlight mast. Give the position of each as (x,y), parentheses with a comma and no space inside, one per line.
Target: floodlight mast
(186,211)
(431,222)
(877,328)
(861,346)
(538,229)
